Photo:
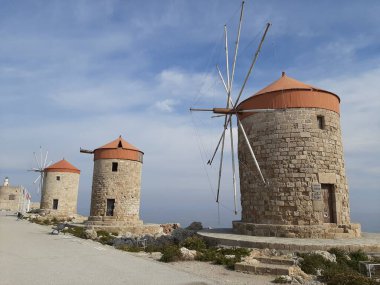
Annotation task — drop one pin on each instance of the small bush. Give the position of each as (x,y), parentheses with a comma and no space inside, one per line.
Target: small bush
(129,248)
(47,222)
(281,280)
(346,277)
(105,237)
(76,231)
(153,248)
(311,263)
(343,272)
(194,243)
(102,233)
(171,253)
(218,255)
(208,254)
(106,240)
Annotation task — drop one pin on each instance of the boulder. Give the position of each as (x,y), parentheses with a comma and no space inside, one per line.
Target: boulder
(188,254)
(168,228)
(326,255)
(195,226)
(181,234)
(90,234)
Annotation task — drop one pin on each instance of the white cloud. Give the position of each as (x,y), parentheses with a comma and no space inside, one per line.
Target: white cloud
(165,105)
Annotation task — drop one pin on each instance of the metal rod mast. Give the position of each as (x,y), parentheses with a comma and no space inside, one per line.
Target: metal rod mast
(220,165)
(233,166)
(250,149)
(227,105)
(222,79)
(236,46)
(35,157)
(252,64)
(226,49)
(45,159)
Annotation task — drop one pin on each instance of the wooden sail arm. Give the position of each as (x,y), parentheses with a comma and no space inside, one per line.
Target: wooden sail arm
(82,150)
(231,111)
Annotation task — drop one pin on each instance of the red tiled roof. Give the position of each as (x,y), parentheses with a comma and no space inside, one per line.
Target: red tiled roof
(119,143)
(287,83)
(118,149)
(287,92)
(62,166)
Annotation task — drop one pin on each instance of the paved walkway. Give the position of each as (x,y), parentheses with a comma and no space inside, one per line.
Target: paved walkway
(369,242)
(30,255)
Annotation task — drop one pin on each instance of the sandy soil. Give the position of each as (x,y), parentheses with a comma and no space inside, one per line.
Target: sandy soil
(216,273)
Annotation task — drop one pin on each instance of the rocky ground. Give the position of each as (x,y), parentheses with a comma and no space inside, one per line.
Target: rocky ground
(189,253)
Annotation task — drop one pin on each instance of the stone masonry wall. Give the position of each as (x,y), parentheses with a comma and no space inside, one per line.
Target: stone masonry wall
(65,190)
(124,186)
(10,198)
(294,155)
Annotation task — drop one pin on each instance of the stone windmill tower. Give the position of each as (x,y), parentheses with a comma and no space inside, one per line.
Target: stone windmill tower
(59,194)
(116,184)
(299,149)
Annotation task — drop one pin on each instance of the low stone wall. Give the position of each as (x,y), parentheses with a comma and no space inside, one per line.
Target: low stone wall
(325,231)
(138,230)
(114,221)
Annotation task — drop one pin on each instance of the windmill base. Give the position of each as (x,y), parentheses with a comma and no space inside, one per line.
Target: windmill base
(323,231)
(133,226)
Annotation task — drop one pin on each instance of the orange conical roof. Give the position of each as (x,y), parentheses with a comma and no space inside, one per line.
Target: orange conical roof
(62,166)
(119,143)
(118,149)
(288,92)
(286,83)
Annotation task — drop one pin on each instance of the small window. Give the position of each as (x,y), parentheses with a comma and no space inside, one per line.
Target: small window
(321,122)
(12,197)
(55,204)
(58,178)
(110,207)
(114,166)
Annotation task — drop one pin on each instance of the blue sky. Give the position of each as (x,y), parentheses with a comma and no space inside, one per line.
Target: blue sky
(79,73)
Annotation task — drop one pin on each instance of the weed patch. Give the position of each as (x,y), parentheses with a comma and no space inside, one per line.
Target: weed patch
(171,253)
(105,237)
(194,243)
(76,231)
(345,271)
(129,248)
(223,256)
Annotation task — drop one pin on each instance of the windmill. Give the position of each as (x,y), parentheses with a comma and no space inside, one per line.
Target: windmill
(41,162)
(231,107)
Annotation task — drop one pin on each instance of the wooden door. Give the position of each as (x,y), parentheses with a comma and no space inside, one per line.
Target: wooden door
(110,207)
(328,203)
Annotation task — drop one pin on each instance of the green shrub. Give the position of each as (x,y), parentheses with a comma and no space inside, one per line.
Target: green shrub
(218,255)
(102,233)
(47,222)
(280,280)
(76,231)
(106,240)
(194,243)
(311,263)
(356,256)
(105,237)
(340,254)
(337,276)
(171,253)
(208,254)
(343,272)
(153,248)
(129,248)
